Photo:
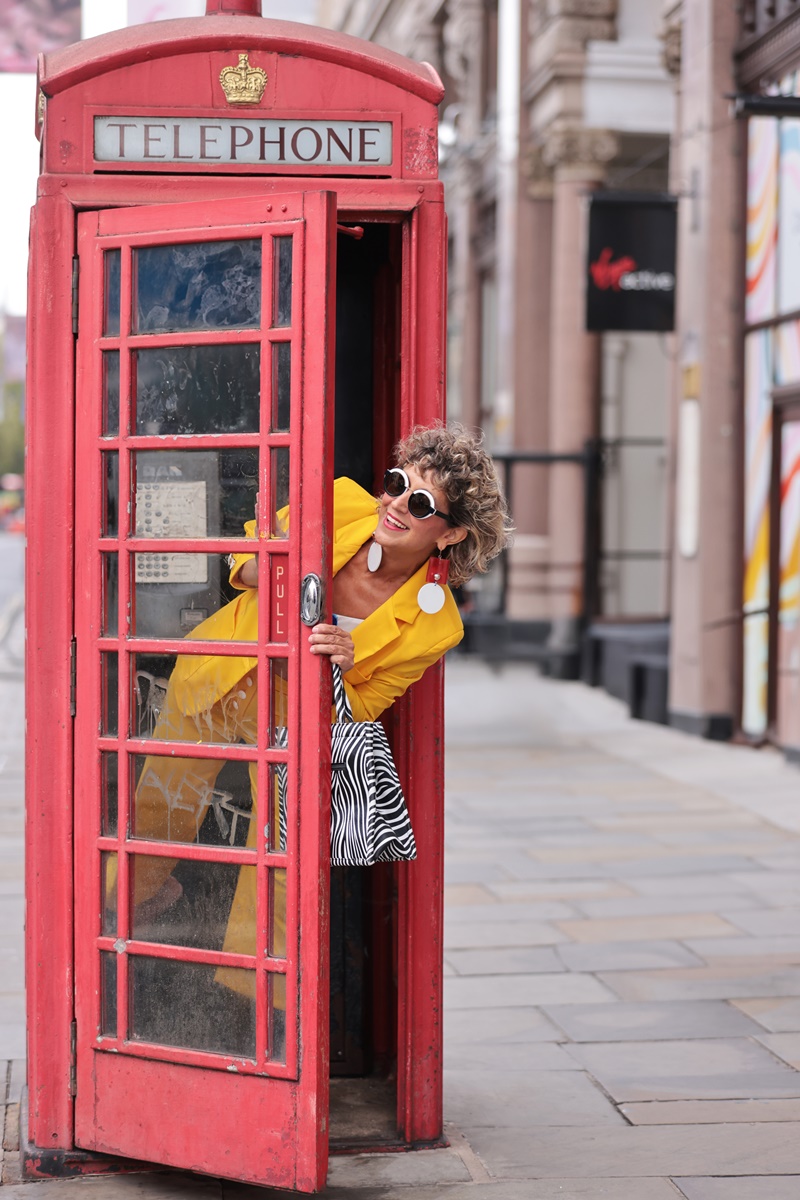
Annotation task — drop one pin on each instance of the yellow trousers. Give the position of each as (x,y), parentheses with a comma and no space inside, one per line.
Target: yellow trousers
(171,800)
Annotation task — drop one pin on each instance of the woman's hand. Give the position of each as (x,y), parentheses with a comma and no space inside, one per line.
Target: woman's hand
(335,642)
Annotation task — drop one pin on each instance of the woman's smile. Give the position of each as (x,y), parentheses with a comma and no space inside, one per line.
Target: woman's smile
(392,523)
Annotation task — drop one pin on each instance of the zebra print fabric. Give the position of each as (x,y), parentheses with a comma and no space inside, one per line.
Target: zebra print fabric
(369,818)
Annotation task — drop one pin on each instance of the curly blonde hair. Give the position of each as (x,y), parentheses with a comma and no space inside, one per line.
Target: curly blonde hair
(465,472)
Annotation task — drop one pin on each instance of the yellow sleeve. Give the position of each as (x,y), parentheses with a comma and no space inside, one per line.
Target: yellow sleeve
(237,561)
(370,697)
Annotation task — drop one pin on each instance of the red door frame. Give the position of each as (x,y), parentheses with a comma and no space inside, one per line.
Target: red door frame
(50,566)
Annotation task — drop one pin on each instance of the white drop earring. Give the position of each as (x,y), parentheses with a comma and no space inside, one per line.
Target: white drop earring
(430,596)
(374,556)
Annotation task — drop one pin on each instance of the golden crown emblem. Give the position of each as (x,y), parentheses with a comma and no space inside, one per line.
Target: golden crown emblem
(243,84)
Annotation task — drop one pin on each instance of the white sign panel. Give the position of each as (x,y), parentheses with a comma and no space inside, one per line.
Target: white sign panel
(269,142)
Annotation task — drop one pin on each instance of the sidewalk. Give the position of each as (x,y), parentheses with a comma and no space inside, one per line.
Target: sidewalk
(622,958)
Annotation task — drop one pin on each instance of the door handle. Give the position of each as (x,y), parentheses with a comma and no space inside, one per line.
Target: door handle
(311,597)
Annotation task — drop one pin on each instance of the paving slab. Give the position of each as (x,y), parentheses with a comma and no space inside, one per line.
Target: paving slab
(707,983)
(638,929)
(763,1187)
(726,1068)
(711,1112)
(514,960)
(533,1056)
(785,1046)
(633,1152)
(626,956)
(485,992)
(498,1026)
(765,922)
(651,1022)
(776,1015)
(495,934)
(525,1104)
(120,1187)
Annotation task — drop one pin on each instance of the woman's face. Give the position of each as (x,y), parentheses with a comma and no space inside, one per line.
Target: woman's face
(398,529)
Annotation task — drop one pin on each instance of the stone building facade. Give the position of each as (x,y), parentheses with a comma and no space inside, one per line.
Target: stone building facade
(547,100)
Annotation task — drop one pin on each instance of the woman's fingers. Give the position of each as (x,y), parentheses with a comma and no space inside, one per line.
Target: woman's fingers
(335,642)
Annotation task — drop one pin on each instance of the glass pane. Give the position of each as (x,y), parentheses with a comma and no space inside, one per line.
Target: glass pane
(108,874)
(279,690)
(209,906)
(108,993)
(281,385)
(195,493)
(111,393)
(113,260)
(197,285)
(110,575)
(275,831)
(109,693)
(282,282)
(277,911)
(197,389)
(208,700)
(279,474)
(276,985)
(174,594)
(193,1006)
(111,505)
(110,795)
(205,800)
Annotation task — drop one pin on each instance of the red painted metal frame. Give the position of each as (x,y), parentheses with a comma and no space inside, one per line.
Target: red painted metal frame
(49,754)
(305,66)
(109,1079)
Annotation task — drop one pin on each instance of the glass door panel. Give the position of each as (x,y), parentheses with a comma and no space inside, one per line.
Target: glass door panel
(191,823)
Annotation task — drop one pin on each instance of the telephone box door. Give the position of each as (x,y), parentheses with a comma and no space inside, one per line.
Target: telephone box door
(202,721)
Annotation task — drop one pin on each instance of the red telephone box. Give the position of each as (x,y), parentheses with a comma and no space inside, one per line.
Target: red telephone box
(236,293)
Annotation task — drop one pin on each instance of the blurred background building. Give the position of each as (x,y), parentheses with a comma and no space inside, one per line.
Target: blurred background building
(678,584)
(654,475)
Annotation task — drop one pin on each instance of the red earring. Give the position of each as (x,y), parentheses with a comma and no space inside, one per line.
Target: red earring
(430,596)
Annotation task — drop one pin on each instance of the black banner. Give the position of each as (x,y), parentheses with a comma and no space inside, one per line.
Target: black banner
(631,270)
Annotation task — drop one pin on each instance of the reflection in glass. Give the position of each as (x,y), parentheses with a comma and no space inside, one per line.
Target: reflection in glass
(277,911)
(276,992)
(112,262)
(279,691)
(279,800)
(150,680)
(108,875)
(279,475)
(194,493)
(197,285)
(197,389)
(206,800)
(174,592)
(282,282)
(111,507)
(184,1004)
(281,385)
(205,909)
(111,393)
(108,993)
(110,584)
(109,693)
(109,795)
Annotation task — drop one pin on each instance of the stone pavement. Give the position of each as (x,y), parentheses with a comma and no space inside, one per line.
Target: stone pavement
(622,958)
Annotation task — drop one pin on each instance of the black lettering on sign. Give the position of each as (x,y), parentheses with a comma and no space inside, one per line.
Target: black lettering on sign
(280,142)
(317,141)
(206,138)
(363,143)
(347,150)
(236,142)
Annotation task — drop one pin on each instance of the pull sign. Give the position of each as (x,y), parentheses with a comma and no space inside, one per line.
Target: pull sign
(311,600)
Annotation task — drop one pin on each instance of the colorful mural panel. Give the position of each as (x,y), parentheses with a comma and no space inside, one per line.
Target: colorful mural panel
(790,524)
(762,219)
(789,218)
(758,446)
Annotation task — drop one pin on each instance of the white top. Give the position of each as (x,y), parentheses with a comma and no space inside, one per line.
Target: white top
(348,624)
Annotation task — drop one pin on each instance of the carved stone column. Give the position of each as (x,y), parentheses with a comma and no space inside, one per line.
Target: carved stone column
(579,158)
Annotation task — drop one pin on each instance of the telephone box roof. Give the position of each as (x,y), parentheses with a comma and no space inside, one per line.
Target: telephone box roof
(62,69)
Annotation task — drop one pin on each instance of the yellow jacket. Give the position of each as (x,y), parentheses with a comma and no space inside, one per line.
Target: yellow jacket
(394,646)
